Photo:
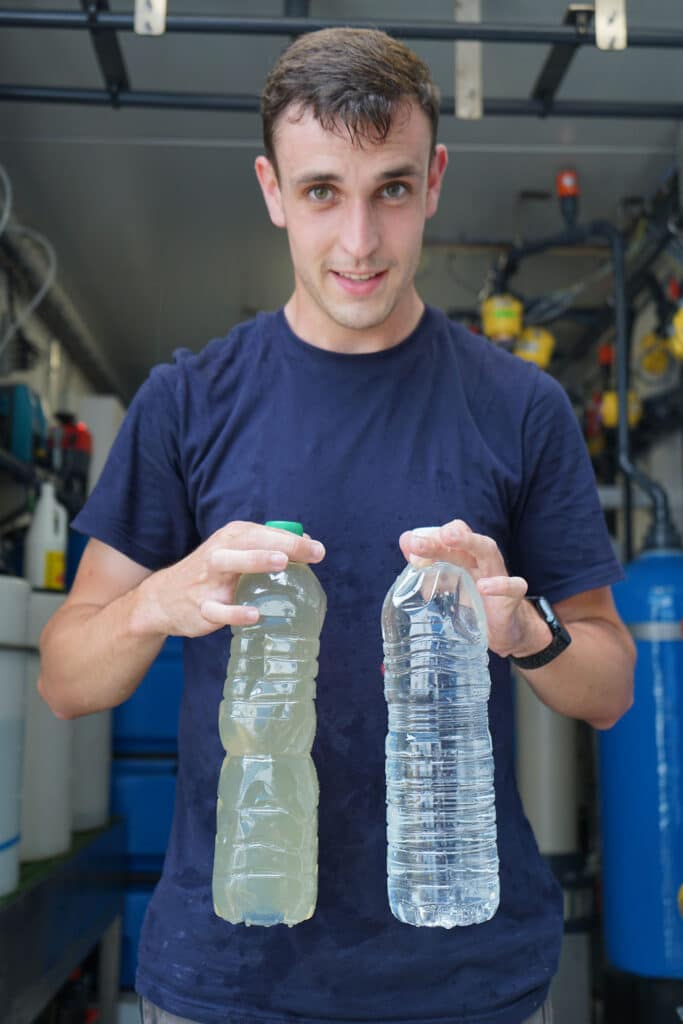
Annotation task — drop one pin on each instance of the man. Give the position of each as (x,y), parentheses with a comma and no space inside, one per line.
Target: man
(361,413)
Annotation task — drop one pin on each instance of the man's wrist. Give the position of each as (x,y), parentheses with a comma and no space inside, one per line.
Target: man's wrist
(535,635)
(560,639)
(146,616)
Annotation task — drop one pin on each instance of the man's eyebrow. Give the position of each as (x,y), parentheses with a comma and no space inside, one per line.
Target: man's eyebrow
(317,177)
(311,177)
(404,171)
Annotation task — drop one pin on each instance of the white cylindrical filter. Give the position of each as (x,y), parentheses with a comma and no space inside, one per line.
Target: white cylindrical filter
(45,544)
(547,772)
(14,597)
(91,763)
(46,806)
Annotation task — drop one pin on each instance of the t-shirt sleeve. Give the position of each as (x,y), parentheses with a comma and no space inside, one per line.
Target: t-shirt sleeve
(562,546)
(139,505)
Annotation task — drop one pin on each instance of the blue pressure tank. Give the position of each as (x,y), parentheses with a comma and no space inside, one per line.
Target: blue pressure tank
(641,779)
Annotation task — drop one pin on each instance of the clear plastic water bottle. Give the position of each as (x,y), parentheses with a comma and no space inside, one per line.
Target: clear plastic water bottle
(442,859)
(266,857)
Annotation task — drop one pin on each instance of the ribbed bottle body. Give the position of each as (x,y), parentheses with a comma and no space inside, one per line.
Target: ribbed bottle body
(442,859)
(266,855)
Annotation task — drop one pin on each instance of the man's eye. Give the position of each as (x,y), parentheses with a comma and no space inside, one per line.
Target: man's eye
(395,190)
(321,193)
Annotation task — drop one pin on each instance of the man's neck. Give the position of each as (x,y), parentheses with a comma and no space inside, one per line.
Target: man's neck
(318,329)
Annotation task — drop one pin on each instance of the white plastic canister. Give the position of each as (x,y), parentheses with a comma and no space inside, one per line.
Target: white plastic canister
(45,544)
(14,598)
(46,807)
(91,763)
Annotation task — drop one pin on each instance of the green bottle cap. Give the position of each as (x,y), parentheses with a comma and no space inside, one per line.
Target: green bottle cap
(285,524)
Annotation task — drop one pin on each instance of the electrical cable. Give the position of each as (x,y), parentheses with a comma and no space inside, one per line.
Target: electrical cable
(44,288)
(7,208)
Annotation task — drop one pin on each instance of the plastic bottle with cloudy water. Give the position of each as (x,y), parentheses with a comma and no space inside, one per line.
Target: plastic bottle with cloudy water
(442,858)
(266,855)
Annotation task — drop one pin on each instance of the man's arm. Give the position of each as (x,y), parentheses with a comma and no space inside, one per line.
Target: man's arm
(593,678)
(97,648)
(92,652)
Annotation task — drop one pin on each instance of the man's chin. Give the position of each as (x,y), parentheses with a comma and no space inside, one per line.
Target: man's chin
(357,317)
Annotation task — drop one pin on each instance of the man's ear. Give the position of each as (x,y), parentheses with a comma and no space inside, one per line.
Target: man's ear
(437,168)
(267,179)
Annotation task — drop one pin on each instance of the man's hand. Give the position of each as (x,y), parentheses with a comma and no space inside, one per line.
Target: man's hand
(514,627)
(196,595)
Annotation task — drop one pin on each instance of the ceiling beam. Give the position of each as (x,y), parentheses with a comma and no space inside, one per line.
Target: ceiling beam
(209,24)
(561,55)
(251,104)
(107,50)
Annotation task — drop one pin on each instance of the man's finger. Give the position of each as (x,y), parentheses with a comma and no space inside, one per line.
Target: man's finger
(478,546)
(247,536)
(228,614)
(229,560)
(502,586)
(431,547)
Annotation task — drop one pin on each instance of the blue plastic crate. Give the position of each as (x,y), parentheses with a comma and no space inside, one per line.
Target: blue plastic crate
(135,901)
(143,793)
(148,721)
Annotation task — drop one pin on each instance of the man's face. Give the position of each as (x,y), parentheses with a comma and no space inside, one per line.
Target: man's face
(354,214)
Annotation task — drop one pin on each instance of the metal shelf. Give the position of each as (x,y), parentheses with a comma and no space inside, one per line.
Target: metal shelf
(62,909)
(23,472)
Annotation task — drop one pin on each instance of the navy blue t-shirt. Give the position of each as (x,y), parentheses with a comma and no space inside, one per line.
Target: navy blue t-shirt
(261,425)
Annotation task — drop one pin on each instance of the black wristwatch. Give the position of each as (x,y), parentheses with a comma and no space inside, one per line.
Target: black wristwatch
(560,639)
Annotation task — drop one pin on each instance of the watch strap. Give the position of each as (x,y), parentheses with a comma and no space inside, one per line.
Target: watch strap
(560,637)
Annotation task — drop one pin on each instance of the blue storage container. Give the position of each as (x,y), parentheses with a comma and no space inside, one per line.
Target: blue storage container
(135,903)
(148,721)
(143,793)
(23,427)
(641,780)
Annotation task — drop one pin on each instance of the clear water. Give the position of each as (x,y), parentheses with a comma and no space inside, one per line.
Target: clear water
(442,858)
(266,855)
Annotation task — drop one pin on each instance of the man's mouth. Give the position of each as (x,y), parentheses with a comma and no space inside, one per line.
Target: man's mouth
(359,283)
(354,276)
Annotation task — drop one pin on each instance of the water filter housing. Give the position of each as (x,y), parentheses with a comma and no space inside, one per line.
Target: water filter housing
(14,598)
(46,806)
(641,783)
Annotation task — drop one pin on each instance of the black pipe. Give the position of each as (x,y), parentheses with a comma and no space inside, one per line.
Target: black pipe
(662,532)
(296,8)
(440,30)
(634,285)
(664,306)
(157,100)
(23,472)
(580,314)
(236,103)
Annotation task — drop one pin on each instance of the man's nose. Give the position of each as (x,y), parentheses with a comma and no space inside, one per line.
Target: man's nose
(359,232)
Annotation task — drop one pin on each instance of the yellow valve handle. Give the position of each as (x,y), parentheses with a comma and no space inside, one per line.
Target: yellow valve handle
(610,409)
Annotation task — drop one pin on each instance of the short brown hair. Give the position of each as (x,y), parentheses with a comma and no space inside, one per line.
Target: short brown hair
(352,79)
